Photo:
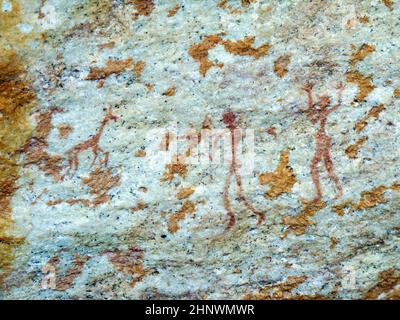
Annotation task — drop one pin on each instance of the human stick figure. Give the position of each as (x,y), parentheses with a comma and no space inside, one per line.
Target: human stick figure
(318,113)
(229,118)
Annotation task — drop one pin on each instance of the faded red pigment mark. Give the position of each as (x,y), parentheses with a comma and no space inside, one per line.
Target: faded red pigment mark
(90,144)
(319,112)
(229,118)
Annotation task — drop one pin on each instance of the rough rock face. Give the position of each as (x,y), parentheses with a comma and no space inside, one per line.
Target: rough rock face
(199,149)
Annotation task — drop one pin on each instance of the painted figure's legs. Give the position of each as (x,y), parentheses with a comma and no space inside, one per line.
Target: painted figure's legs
(315,175)
(331,171)
(227,204)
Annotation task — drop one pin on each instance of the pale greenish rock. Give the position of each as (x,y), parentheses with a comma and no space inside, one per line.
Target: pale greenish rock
(201,259)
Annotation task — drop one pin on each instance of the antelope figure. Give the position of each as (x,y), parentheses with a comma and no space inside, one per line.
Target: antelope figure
(90,144)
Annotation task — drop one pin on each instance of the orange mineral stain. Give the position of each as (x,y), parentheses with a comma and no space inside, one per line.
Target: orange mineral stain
(281,65)
(245,47)
(129,262)
(389,4)
(184,193)
(281,180)
(359,55)
(112,67)
(364,83)
(298,224)
(66,281)
(279,291)
(372,113)
(368,199)
(199,52)
(187,208)
(174,10)
(17,98)
(352,150)
(142,7)
(170,91)
(388,282)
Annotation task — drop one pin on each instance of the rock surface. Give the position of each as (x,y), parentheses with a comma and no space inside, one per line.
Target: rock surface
(111,187)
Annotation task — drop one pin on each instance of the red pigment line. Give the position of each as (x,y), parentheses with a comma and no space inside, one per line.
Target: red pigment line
(319,112)
(229,119)
(91,143)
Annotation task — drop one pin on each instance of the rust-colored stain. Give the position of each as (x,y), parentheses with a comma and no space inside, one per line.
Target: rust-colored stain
(389,4)
(298,224)
(91,144)
(359,55)
(372,113)
(364,83)
(173,223)
(281,65)
(272,131)
(368,199)
(363,19)
(184,193)
(149,87)
(224,4)
(71,202)
(387,282)
(64,131)
(108,45)
(396,93)
(175,168)
(318,113)
(138,69)
(129,262)
(245,47)
(36,148)
(17,98)
(174,10)
(140,205)
(199,52)
(352,150)
(281,180)
(66,281)
(170,91)
(100,183)
(334,242)
(11,35)
(246,3)
(140,153)
(142,7)
(112,67)
(279,291)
